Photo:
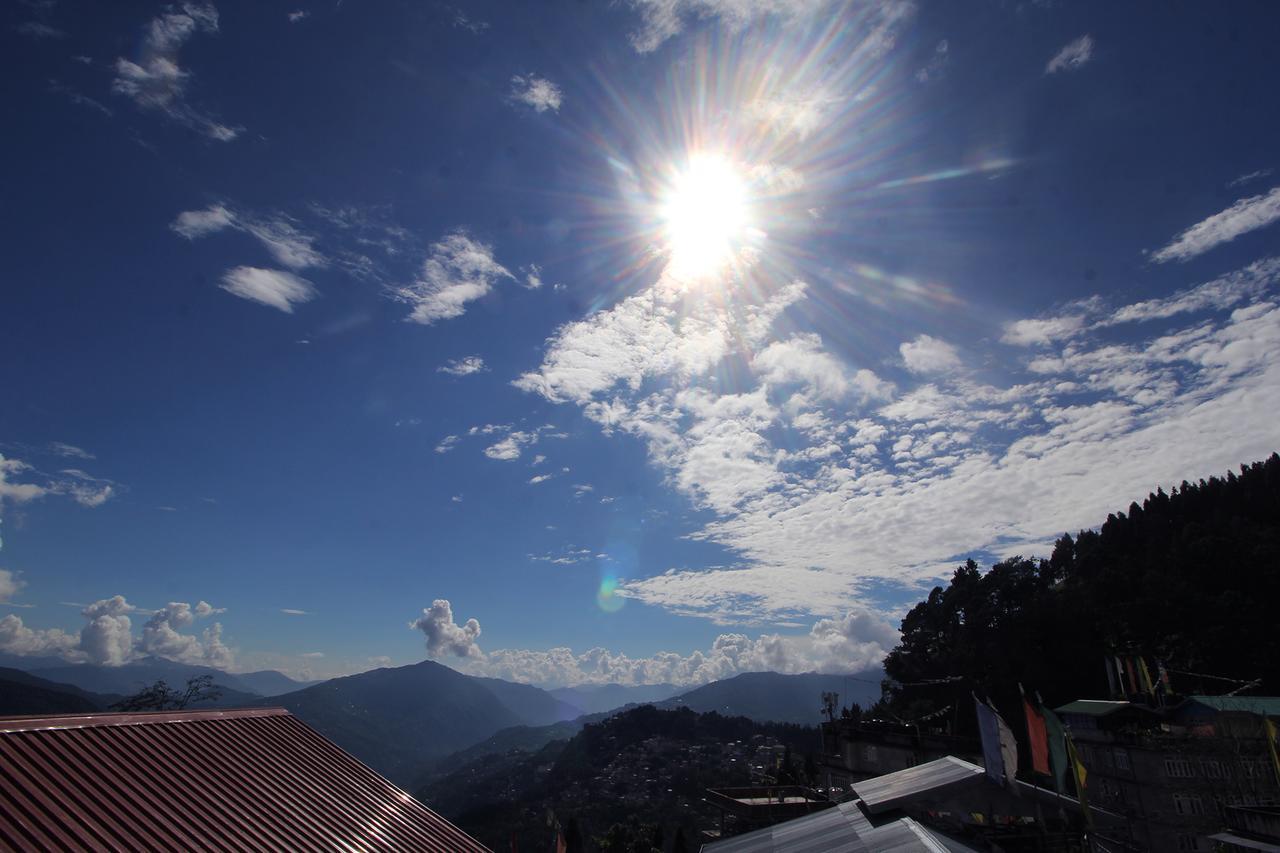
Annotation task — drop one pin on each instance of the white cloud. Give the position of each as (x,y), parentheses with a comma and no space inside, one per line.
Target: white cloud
(818,476)
(927,354)
(157,82)
(298,15)
(276,288)
(1247,214)
(664,19)
(444,636)
(532,276)
(851,642)
(1042,331)
(70,450)
(937,64)
(803,360)
(540,478)
(537,92)
(39,30)
(81,487)
(162,636)
(463,366)
(10,585)
(1072,56)
(1250,177)
(107,636)
(291,611)
(447,443)
(509,448)
(459,270)
(287,244)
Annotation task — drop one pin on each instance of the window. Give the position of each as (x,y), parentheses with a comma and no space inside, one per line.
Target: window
(869,753)
(1188,842)
(1215,770)
(1188,804)
(1178,768)
(1122,759)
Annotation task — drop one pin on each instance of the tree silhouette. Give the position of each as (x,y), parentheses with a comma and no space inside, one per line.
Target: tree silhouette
(161,697)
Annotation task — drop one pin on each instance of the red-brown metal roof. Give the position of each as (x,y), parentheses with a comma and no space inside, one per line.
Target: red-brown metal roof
(200,780)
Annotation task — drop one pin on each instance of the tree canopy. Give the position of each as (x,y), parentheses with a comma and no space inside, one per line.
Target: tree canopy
(1190,577)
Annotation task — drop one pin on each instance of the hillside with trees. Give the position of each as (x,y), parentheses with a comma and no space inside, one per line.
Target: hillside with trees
(639,775)
(1189,578)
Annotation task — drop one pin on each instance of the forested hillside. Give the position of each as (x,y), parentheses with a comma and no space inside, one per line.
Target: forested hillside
(1190,578)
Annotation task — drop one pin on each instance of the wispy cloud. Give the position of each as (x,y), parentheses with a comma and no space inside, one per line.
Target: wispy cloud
(463,366)
(1073,56)
(158,82)
(290,611)
(276,288)
(288,244)
(1247,214)
(39,30)
(664,19)
(1250,177)
(458,271)
(298,15)
(537,92)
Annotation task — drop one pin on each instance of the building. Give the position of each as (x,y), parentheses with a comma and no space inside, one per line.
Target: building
(255,779)
(1173,773)
(859,749)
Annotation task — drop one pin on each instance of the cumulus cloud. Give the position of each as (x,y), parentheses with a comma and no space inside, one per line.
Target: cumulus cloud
(927,354)
(276,288)
(851,642)
(803,360)
(459,270)
(1073,56)
(1247,214)
(537,92)
(444,636)
(162,635)
(158,82)
(281,237)
(463,366)
(107,636)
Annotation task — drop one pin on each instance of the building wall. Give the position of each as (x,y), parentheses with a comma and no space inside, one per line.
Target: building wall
(1175,788)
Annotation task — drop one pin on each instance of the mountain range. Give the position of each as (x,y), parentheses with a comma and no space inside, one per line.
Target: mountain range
(411,721)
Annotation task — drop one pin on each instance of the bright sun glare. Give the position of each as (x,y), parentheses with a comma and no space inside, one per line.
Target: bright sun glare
(705,215)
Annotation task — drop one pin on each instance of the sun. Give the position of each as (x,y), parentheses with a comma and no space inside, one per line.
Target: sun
(706,215)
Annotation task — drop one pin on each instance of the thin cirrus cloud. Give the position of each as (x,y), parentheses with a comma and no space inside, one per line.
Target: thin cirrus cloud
(1247,214)
(661,20)
(1073,56)
(289,245)
(817,472)
(463,366)
(458,271)
(275,288)
(537,92)
(157,82)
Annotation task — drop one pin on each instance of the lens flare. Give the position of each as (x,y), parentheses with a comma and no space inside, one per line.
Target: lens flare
(705,215)
(607,596)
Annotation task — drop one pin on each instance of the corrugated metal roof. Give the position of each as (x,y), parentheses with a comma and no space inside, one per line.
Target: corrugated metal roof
(200,780)
(1246,842)
(1262,705)
(932,778)
(844,829)
(1096,707)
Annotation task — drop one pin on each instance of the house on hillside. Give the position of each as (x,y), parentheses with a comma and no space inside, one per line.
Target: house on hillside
(1173,774)
(256,779)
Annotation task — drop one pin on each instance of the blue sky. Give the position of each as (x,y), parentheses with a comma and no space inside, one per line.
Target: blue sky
(632,341)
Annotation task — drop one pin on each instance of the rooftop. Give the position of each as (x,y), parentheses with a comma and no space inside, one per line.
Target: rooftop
(237,779)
